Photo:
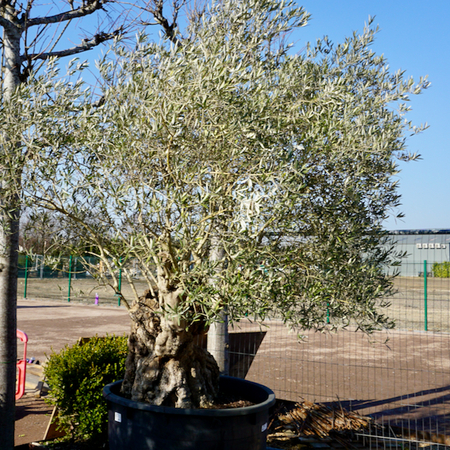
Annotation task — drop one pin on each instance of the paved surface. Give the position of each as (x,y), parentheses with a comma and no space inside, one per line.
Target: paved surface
(52,324)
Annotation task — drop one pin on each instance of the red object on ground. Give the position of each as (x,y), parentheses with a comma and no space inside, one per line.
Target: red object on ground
(21,366)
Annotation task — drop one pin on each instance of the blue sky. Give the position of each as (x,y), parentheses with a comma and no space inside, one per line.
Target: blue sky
(414,37)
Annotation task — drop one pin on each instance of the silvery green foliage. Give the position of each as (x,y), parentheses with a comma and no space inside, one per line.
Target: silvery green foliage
(226,140)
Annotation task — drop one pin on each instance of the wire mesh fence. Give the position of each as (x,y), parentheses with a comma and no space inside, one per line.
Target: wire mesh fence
(400,377)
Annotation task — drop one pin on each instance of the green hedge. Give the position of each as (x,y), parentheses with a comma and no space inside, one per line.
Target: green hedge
(76,377)
(441,270)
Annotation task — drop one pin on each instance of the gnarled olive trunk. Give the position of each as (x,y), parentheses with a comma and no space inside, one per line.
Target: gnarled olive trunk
(165,366)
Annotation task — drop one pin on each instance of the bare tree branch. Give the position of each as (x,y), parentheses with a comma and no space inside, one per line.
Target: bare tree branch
(84,46)
(55,41)
(26,57)
(195,10)
(40,32)
(160,18)
(88,7)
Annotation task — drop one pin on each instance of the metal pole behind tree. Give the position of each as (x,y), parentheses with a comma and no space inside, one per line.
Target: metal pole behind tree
(25,278)
(218,343)
(70,276)
(425,293)
(218,338)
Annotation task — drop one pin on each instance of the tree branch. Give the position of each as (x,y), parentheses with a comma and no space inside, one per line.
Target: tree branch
(87,44)
(158,14)
(89,7)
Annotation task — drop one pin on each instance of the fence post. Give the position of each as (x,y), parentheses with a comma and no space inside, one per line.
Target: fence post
(425,294)
(70,276)
(120,282)
(25,277)
(41,269)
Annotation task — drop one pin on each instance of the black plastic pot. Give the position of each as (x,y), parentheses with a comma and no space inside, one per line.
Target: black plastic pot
(139,426)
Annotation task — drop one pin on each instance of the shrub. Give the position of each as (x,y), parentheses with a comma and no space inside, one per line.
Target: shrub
(76,376)
(441,270)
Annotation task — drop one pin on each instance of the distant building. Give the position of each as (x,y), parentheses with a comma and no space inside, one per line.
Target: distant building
(432,246)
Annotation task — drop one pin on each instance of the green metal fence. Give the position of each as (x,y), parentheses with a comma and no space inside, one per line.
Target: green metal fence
(71,278)
(417,304)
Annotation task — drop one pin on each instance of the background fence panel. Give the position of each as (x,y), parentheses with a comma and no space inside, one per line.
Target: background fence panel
(400,377)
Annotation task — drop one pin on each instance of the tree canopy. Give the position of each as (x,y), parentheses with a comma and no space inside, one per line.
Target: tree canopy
(241,176)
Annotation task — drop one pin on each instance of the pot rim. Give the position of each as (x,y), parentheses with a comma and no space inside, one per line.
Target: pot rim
(243,411)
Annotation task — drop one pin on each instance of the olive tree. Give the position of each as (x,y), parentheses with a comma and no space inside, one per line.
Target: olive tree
(244,179)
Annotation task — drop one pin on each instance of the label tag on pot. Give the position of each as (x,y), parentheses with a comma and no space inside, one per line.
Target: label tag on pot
(118,417)
(263,428)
